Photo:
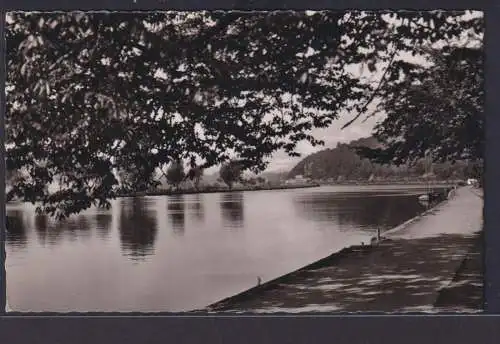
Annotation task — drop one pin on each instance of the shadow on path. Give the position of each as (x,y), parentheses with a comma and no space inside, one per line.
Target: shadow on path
(398,275)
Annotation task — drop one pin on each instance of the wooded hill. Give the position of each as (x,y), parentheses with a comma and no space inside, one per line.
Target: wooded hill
(344,163)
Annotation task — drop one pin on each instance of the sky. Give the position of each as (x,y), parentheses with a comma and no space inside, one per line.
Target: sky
(332,135)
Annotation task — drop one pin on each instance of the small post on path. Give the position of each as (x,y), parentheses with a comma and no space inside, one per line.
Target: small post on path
(376,239)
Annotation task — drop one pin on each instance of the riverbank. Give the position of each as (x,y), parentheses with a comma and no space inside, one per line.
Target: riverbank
(422,183)
(165,192)
(212,189)
(206,190)
(405,272)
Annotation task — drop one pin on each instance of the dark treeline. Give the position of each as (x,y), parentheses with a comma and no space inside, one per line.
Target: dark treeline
(344,163)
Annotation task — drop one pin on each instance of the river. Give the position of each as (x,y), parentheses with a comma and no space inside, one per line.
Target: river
(178,253)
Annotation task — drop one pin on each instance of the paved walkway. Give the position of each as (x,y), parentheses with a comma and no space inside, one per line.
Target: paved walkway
(407,272)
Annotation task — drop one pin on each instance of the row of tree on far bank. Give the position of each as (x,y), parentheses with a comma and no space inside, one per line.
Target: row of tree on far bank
(229,173)
(173,175)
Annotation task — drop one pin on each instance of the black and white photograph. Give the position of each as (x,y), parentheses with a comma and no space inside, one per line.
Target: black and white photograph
(245,162)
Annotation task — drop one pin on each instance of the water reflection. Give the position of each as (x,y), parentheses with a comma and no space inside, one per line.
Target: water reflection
(16,229)
(231,205)
(42,228)
(138,228)
(103,224)
(176,213)
(77,227)
(196,208)
(359,210)
(52,232)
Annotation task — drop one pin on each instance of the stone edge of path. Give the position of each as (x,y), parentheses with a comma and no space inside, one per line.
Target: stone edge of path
(478,237)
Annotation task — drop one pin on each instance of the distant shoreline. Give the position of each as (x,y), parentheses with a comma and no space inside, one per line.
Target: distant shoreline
(207,190)
(216,190)
(285,187)
(393,182)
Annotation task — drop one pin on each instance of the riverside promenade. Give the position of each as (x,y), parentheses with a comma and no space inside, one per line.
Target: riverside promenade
(432,263)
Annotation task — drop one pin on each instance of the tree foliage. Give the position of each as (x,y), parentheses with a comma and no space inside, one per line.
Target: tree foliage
(175,173)
(230,172)
(90,93)
(436,112)
(195,174)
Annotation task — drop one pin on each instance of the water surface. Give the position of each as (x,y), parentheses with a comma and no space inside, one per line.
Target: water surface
(177,253)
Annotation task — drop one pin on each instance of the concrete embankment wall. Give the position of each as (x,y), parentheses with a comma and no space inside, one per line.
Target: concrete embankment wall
(327,261)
